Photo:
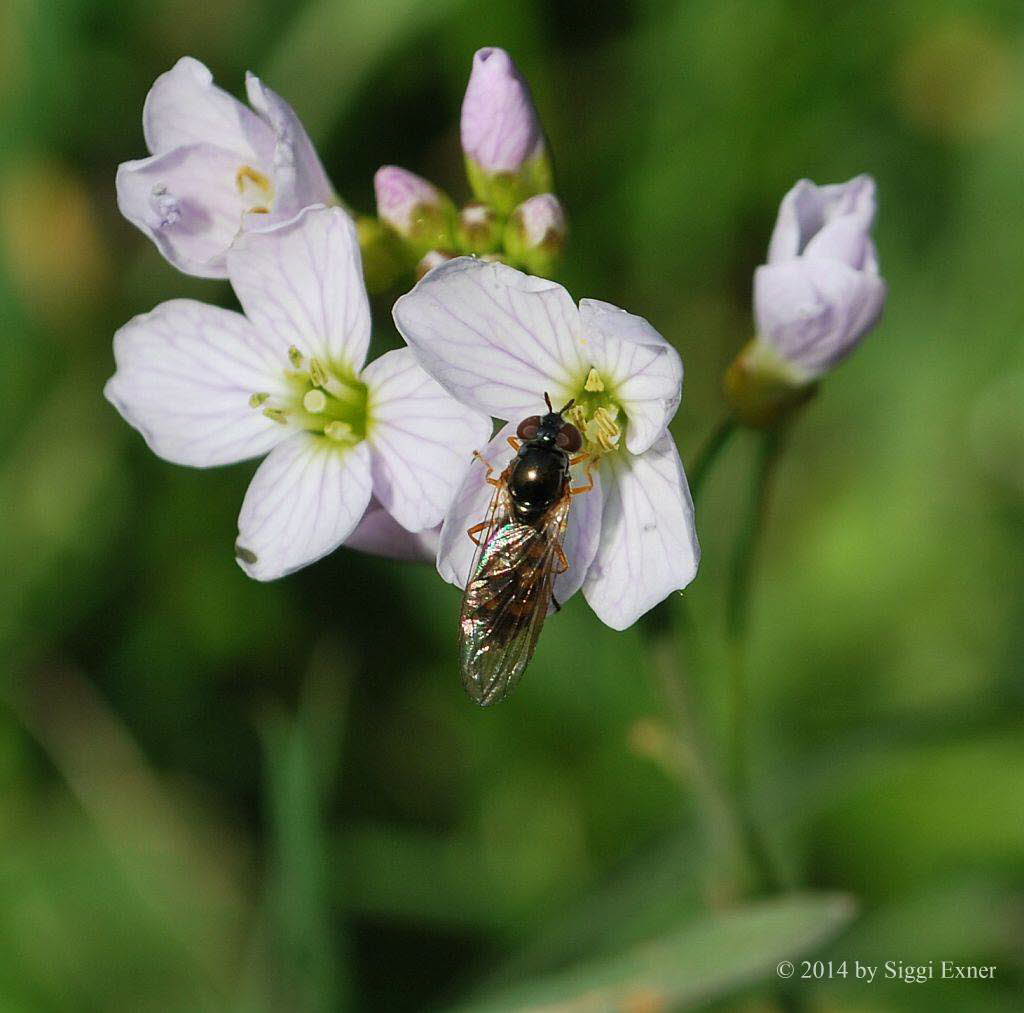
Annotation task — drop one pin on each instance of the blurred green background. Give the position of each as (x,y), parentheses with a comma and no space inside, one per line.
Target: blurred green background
(220,795)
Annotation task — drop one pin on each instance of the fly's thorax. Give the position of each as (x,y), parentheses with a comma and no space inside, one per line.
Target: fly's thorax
(322,398)
(598,415)
(537,478)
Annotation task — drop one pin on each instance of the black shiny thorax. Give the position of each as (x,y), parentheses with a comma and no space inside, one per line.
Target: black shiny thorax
(539,472)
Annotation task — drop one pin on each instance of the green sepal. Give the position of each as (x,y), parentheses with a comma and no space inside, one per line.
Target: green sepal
(504,190)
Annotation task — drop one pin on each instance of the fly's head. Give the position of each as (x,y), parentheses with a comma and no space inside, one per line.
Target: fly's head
(550,430)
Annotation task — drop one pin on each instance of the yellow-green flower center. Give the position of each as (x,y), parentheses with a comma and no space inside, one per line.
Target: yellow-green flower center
(323,398)
(598,415)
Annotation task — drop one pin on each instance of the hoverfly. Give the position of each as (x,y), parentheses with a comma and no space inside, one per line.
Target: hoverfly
(519,554)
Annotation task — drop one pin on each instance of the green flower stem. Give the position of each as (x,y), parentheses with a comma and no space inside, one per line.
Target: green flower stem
(663,628)
(738,596)
(719,825)
(709,453)
(729,825)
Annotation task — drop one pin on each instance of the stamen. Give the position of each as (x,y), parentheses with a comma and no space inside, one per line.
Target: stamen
(247,177)
(317,374)
(314,401)
(340,431)
(602,429)
(259,398)
(278,415)
(594,382)
(295,357)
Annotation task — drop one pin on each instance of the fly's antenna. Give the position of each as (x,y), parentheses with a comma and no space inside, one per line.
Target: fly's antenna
(547,401)
(568,405)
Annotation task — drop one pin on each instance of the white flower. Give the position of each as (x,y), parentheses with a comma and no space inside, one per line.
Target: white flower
(208,386)
(497,340)
(217,167)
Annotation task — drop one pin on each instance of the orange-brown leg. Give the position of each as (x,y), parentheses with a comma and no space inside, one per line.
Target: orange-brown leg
(578,459)
(513,443)
(475,530)
(563,561)
(490,469)
(583,488)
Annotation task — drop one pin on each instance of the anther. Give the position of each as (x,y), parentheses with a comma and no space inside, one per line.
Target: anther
(317,373)
(247,176)
(314,401)
(295,357)
(259,398)
(337,430)
(278,415)
(594,382)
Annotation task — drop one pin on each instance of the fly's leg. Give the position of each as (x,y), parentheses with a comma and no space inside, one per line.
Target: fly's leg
(579,459)
(555,602)
(583,488)
(562,561)
(475,530)
(490,469)
(513,443)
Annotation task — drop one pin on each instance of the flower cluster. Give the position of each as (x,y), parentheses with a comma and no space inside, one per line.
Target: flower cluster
(514,217)
(392,456)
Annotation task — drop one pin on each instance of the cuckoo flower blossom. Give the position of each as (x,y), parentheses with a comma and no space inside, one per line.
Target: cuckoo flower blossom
(217,167)
(497,340)
(353,451)
(820,291)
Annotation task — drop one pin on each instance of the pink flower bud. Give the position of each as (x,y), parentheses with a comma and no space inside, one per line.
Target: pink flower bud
(403,198)
(536,234)
(500,128)
(820,291)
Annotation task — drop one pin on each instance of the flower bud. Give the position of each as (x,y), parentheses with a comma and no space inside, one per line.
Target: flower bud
(384,258)
(535,234)
(416,209)
(479,229)
(506,157)
(814,300)
(430,260)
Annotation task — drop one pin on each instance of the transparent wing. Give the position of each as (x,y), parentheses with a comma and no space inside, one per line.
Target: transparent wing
(507,599)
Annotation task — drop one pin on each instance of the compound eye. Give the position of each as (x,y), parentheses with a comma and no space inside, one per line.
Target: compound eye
(569,438)
(529,428)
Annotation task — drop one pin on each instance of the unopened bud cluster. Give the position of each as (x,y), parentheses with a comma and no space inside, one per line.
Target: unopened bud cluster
(513,216)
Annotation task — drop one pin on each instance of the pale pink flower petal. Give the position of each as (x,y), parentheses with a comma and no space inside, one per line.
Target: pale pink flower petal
(379,534)
(305,499)
(421,440)
(298,174)
(493,337)
(302,284)
(648,539)
(814,312)
(185,107)
(185,373)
